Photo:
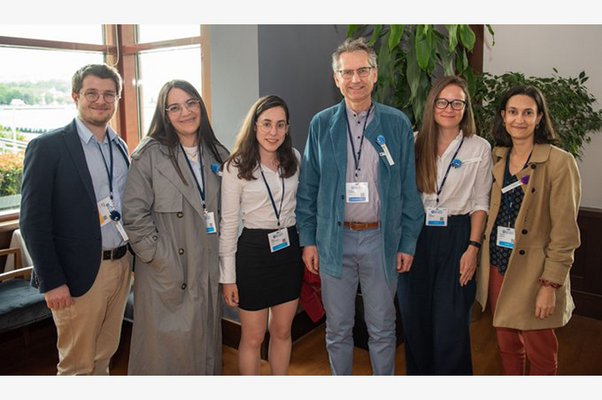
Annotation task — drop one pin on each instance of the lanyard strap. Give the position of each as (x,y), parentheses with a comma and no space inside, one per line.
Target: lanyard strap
(440,188)
(356,159)
(107,168)
(507,177)
(201,190)
(277,212)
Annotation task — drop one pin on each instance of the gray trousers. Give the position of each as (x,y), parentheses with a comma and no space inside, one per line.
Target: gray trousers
(363,263)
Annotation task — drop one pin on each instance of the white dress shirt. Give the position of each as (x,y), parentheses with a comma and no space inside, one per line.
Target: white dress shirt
(466,188)
(248,203)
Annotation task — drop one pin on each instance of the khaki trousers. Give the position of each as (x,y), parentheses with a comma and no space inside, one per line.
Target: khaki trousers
(89,331)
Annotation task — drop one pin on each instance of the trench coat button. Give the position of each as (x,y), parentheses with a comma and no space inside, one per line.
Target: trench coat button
(155,237)
(524,231)
(532,190)
(180,214)
(184,286)
(522,252)
(533,166)
(180,251)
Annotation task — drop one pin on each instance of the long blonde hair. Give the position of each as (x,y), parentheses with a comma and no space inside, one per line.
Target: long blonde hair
(426,140)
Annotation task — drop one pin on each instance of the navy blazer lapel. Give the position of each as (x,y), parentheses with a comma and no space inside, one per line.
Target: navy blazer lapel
(74,146)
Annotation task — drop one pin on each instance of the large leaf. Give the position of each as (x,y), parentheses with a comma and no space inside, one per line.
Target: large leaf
(452,33)
(423,49)
(467,36)
(395,35)
(375,34)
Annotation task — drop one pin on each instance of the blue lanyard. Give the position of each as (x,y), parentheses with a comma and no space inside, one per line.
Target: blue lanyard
(277,212)
(440,188)
(201,190)
(107,168)
(356,159)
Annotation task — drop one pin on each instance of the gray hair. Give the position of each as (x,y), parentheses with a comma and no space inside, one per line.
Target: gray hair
(350,45)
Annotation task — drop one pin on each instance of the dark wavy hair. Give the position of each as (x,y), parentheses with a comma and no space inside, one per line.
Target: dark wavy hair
(245,155)
(162,131)
(544,131)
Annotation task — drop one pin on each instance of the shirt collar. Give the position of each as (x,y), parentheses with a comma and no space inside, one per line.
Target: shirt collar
(86,135)
(357,116)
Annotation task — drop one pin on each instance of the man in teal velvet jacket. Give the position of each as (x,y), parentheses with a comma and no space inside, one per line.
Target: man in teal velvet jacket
(359,212)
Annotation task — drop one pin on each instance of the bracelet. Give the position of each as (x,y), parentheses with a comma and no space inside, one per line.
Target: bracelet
(474,243)
(545,282)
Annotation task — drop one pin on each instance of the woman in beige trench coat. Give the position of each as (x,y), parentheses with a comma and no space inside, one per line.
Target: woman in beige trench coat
(528,285)
(170,210)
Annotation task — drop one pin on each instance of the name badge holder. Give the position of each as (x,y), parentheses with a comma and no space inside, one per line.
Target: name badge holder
(357,192)
(107,211)
(209,216)
(436,216)
(278,239)
(505,234)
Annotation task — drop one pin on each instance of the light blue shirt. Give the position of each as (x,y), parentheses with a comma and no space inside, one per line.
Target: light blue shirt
(111,238)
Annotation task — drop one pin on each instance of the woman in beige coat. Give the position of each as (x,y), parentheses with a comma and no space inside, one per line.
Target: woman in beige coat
(531,235)
(171,210)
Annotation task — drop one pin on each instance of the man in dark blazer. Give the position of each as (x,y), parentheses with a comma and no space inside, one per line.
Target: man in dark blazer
(73,180)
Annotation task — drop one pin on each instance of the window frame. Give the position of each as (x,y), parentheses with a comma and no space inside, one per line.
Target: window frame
(121,49)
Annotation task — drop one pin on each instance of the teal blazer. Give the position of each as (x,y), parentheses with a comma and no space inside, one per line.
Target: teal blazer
(321,192)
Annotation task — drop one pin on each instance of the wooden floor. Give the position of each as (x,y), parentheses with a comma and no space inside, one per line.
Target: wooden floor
(580,351)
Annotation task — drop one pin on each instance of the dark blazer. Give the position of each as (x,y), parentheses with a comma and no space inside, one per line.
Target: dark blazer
(59,217)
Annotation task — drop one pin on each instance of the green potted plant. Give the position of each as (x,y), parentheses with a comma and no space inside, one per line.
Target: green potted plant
(411,57)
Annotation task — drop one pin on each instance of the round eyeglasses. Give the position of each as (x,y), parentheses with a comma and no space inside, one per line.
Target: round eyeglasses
(190,105)
(92,96)
(456,104)
(267,126)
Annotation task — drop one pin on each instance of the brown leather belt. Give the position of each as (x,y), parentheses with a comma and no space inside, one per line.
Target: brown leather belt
(361,226)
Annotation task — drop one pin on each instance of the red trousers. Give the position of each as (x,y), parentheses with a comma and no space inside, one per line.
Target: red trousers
(540,347)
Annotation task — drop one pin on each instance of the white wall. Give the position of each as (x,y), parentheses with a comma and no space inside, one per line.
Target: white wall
(234,77)
(534,50)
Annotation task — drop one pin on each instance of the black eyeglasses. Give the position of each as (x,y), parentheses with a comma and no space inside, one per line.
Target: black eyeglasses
(456,104)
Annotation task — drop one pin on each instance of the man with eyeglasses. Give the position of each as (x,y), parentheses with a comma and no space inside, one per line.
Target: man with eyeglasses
(359,212)
(73,181)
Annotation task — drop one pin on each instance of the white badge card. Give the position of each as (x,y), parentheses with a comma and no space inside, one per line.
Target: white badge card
(505,237)
(436,216)
(210,222)
(357,192)
(105,207)
(278,240)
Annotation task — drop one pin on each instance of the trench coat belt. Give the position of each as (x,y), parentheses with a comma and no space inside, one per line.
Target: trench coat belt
(361,226)
(114,254)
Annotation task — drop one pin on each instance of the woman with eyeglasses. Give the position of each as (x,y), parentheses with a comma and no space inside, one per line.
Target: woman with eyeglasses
(171,212)
(453,173)
(261,269)
(531,235)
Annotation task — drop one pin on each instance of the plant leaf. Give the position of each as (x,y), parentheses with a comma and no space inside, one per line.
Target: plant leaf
(395,35)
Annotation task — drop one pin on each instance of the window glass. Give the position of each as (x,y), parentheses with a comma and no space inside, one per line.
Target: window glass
(155,32)
(64,32)
(159,66)
(35,96)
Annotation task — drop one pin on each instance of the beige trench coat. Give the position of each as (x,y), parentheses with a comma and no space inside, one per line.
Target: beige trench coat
(546,238)
(177,306)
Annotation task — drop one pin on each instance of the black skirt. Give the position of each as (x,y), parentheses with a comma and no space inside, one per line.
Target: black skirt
(265,279)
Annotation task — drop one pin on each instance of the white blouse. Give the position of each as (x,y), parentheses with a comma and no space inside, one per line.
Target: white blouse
(248,203)
(467,187)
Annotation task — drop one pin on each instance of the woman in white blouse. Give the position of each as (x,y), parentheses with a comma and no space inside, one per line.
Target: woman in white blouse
(261,270)
(453,173)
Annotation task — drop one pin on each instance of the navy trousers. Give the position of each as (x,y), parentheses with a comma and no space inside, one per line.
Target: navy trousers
(435,309)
